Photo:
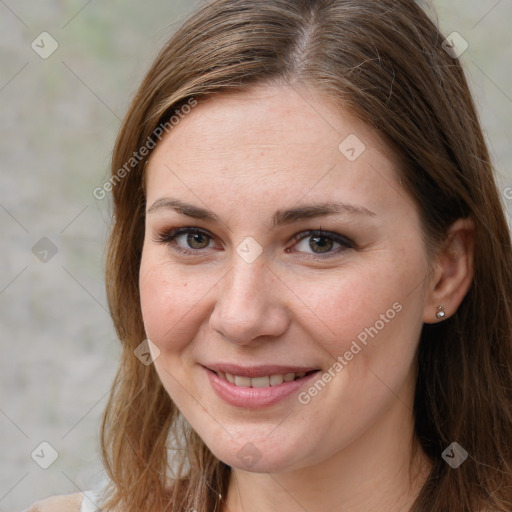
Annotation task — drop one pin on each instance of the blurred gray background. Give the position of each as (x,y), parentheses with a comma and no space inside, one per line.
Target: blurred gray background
(59,119)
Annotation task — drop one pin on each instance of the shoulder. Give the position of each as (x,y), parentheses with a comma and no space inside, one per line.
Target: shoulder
(63,503)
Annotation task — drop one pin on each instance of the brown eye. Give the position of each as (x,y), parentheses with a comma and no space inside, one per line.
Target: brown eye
(322,242)
(197,238)
(194,241)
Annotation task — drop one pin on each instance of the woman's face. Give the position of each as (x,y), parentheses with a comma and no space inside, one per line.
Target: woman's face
(286,327)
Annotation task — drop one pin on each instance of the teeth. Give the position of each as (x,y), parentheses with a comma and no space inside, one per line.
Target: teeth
(275,380)
(243,381)
(260,382)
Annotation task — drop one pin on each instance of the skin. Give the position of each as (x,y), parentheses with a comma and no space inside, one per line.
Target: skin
(244,156)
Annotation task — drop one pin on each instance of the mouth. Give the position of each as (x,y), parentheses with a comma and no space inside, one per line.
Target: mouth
(262,381)
(258,387)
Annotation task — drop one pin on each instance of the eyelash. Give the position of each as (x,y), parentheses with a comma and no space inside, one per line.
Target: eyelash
(168,238)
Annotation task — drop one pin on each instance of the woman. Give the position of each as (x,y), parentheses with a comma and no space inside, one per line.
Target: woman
(309,270)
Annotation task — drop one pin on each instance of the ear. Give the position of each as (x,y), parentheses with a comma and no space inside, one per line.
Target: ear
(453,271)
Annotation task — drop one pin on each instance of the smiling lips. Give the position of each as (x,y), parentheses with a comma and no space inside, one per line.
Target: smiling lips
(260,382)
(257,386)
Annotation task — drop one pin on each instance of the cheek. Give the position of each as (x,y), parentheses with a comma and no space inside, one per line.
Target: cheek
(162,296)
(372,301)
(375,313)
(171,300)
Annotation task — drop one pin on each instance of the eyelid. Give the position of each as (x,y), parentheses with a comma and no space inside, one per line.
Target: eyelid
(168,237)
(344,242)
(325,234)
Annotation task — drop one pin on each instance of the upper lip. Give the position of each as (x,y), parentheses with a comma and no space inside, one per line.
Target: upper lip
(259,370)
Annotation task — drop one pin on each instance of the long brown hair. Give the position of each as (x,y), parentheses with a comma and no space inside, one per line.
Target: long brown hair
(384,60)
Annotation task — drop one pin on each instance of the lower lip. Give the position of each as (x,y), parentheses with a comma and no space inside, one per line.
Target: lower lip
(255,398)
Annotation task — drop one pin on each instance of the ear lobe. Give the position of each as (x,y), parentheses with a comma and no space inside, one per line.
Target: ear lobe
(454,271)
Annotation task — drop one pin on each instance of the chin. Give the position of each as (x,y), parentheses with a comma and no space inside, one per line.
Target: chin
(256,451)
(250,458)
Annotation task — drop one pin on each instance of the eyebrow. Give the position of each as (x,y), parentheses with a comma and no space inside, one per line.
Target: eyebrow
(281,217)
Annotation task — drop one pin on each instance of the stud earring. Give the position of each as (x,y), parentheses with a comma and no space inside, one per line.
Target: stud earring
(440,314)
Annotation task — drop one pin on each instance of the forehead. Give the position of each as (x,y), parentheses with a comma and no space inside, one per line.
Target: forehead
(269,141)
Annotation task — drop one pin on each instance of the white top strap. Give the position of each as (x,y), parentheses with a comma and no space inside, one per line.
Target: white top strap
(89,502)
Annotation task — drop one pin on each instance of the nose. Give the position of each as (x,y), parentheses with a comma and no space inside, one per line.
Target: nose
(250,308)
